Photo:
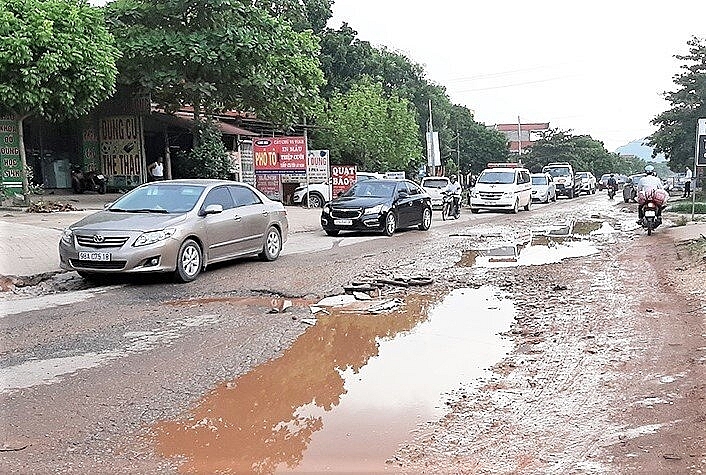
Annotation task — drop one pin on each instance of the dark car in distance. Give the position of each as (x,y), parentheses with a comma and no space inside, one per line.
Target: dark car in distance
(378,205)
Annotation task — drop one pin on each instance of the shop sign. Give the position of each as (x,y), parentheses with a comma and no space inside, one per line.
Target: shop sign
(701,144)
(269,185)
(10,154)
(279,154)
(342,178)
(120,149)
(317,164)
(90,149)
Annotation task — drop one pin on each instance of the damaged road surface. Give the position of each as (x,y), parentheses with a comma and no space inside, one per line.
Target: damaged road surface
(497,343)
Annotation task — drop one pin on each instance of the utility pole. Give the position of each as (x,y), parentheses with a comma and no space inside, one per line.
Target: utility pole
(519,138)
(458,152)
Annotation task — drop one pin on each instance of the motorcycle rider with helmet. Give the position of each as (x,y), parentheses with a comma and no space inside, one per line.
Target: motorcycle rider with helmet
(454,188)
(649,181)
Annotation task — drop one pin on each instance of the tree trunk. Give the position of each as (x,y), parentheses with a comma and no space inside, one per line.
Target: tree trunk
(23,159)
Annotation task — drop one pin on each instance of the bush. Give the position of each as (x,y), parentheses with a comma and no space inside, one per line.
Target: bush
(684,206)
(208,159)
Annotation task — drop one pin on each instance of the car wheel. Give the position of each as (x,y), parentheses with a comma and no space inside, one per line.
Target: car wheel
(315,200)
(189,261)
(390,223)
(426,220)
(516,207)
(272,246)
(331,232)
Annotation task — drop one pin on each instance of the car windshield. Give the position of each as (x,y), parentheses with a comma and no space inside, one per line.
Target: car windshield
(582,175)
(159,198)
(497,177)
(539,180)
(559,171)
(376,188)
(435,183)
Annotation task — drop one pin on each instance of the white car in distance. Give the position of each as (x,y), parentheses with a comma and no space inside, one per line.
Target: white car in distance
(434,185)
(543,187)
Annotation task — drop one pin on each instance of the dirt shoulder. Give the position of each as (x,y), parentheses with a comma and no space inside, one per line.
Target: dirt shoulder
(608,372)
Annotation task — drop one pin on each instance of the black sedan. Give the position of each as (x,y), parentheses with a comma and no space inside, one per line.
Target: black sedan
(378,205)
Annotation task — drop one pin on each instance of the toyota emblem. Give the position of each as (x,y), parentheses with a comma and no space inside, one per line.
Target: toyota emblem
(97,238)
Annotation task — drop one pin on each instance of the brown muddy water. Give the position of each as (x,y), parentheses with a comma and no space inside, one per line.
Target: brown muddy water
(347,392)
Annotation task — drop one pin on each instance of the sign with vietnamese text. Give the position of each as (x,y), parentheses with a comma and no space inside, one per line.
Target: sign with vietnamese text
(120,146)
(342,178)
(701,144)
(10,154)
(268,184)
(317,164)
(279,154)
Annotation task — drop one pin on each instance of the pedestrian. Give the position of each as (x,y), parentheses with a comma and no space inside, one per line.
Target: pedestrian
(687,183)
(156,170)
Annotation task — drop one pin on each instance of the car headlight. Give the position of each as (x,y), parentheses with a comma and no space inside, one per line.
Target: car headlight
(327,209)
(154,236)
(67,236)
(374,209)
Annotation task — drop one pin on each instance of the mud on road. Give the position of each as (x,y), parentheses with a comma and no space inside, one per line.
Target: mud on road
(608,374)
(602,377)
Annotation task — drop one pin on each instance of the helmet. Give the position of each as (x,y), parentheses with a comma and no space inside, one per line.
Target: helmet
(650,170)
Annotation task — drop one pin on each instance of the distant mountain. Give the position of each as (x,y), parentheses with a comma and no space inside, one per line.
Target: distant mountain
(637,148)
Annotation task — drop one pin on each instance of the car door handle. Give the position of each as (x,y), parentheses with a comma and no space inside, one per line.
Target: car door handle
(264,213)
(237,218)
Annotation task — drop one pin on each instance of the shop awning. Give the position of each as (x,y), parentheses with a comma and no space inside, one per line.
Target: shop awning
(187,122)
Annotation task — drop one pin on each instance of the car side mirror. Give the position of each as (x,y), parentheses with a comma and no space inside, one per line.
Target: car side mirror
(107,205)
(213,209)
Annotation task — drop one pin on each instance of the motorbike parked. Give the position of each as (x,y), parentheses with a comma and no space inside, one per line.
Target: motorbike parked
(450,208)
(88,181)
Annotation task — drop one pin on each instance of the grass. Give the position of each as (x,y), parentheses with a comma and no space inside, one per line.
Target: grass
(685,207)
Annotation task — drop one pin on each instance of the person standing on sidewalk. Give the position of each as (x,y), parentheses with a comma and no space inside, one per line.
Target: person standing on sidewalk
(156,170)
(687,183)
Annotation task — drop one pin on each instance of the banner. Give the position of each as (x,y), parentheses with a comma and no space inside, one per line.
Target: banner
(10,155)
(280,155)
(317,164)
(342,178)
(121,153)
(701,144)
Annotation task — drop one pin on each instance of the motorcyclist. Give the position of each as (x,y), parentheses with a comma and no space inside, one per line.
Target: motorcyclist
(647,182)
(612,184)
(454,188)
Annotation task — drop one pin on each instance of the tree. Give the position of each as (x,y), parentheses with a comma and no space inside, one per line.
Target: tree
(583,152)
(372,129)
(57,60)
(301,14)
(677,126)
(215,55)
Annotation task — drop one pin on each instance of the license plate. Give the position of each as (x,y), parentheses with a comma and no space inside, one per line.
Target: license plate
(650,213)
(343,222)
(94,256)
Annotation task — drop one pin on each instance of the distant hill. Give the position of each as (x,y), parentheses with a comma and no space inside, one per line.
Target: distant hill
(637,148)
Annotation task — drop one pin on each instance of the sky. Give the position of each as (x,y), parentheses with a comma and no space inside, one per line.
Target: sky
(598,68)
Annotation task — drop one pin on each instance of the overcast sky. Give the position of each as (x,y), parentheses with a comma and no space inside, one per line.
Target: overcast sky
(595,67)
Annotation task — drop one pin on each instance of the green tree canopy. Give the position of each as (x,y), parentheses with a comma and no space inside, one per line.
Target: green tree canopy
(370,128)
(301,14)
(677,126)
(57,60)
(217,54)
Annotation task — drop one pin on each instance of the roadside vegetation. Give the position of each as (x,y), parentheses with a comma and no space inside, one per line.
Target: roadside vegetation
(280,62)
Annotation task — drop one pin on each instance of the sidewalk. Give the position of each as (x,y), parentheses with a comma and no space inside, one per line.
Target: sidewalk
(30,241)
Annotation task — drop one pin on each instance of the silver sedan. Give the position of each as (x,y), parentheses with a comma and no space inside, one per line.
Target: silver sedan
(178,226)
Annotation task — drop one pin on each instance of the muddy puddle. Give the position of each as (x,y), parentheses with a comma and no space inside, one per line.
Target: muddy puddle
(347,392)
(547,245)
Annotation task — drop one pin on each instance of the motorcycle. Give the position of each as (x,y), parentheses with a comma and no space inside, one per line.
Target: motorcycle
(652,202)
(611,191)
(448,206)
(88,181)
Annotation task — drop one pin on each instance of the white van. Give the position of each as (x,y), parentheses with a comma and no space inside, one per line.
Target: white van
(503,186)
